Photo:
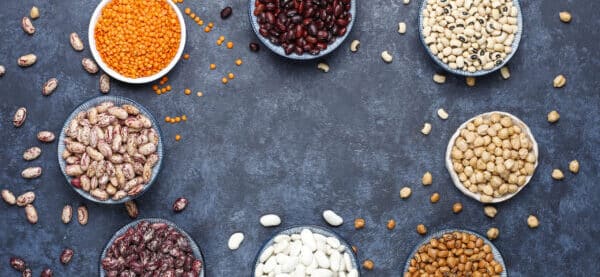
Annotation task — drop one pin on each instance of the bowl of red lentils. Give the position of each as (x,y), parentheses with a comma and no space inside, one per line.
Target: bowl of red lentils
(137,41)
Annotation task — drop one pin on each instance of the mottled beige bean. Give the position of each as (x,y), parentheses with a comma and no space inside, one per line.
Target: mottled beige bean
(31,172)
(31,214)
(32,153)
(67,214)
(76,42)
(8,197)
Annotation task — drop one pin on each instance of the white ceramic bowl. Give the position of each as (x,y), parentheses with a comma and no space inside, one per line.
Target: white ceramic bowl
(453,174)
(118,76)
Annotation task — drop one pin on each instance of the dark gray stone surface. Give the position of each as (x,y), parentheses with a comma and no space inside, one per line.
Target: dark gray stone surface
(285,138)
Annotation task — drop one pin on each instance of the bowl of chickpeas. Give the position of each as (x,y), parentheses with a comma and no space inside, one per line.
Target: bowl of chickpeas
(492,157)
(136,41)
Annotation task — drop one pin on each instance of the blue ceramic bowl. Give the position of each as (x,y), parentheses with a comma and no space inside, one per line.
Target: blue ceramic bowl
(515,45)
(497,255)
(118,100)
(307,56)
(195,249)
(316,230)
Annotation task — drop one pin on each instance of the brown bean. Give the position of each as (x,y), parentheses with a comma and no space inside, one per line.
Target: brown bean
(25,199)
(8,197)
(104,83)
(31,214)
(76,42)
(49,86)
(82,215)
(27,60)
(19,117)
(27,25)
(31,172)
(46,136)
(132,209)
(180,204)
(66,255)
(89,65)
(67,213)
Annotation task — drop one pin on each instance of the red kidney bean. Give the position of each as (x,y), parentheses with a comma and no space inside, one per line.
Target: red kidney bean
(18,263)
(180,204)
(302,26)
(27,273)
(226,12)
(254,47)
(66,255)
(47,273)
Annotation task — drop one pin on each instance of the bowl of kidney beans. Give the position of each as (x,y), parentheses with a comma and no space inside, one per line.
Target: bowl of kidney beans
(302,29)
(151,247)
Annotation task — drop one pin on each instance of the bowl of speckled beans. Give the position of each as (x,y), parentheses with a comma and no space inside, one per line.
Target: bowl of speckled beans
(470,38)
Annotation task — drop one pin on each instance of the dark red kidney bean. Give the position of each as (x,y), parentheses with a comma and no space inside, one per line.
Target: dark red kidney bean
(76,182)
(270,17)
(312,29)
(226,12)
(289,49)
(18,263)
(263,32)
(66,255)
(322,35)
(180,204)
(338,10)
(341,32)
(311,39)
(254,47)
(27,273)
(47,273)
(342,22)
(259,10)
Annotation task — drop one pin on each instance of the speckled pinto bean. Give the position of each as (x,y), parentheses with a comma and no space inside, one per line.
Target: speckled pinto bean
(66,255)
(19,117)
(31,172)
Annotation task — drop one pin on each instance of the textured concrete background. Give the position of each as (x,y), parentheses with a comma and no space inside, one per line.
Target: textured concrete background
(285,138)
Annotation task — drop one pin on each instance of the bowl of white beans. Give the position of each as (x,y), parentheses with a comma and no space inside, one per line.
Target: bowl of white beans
(492,157)
(470,37)
(306,251)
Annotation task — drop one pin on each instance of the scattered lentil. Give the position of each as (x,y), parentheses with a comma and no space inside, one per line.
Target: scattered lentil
(391,224)
(200,94)
(177,137)
(186,56)
(230,76)
(213,66)
(187,91)
(229,45)
(238,62)
(224,80)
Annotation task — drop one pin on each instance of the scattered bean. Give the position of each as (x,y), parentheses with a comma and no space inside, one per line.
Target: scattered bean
(391,224)
(67,213)
(442,114)
(180,204)
(104,83)
(354,45)
(27,26)
(553,116)
(34,13)
(2,70)
(47,272)
(457,207)
(470,81)
(426,128)
(76,42)
(226,12)
(565,16)
(18,263)
(405,192)
(27,60)
(254,47)
(427,179)
(359,223)
(332,218)
(533,222)
(368,265)
(19,117)
(574,166)
(31,214)
(66,255)
(323,67)
(505,72)
(559,81)
(8,197)
(32,153)
(27,273)
(25,199)
(402,28)
(490,211)
(439,78)
(89,65)
(46,136)
(493,233)
(132,209)
(49,86)
(31,172)
(387,57)
(557,174)
(235,240)
(435,197)
(270,220)
(421,229)
(82,215)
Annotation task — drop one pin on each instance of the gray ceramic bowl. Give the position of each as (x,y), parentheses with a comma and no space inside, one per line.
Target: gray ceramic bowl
(316,230)
(515,45)
(195,249)
(497,255)
(118,100)
(307,56)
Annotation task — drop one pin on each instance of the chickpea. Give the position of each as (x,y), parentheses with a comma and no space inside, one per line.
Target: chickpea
(391,224)
(421,229)
(574,166)
(368,265)
(427,179)
(405,192)
(359,223)
(435,197)
(557,174)
(532,222)
(457,207)
(493,233)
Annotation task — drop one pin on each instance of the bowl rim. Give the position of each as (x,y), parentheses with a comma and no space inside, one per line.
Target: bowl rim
(458,184)
(94,101)
(495,251)
(446,67)
(304,57)
(142,80)
(296,229)
(195,248)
